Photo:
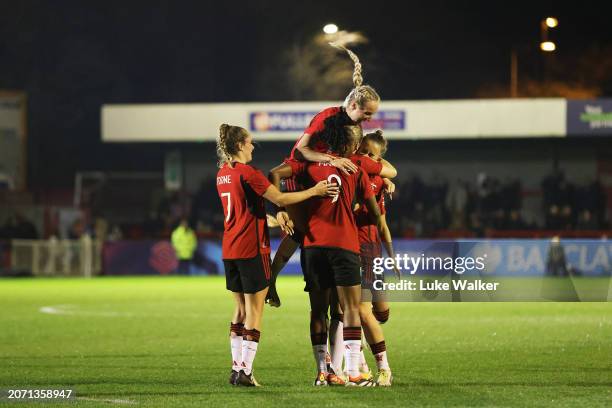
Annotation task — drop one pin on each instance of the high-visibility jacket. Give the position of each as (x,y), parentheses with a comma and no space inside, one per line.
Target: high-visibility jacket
(184,241)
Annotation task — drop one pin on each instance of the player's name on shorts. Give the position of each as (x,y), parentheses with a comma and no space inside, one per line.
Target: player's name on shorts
(435,285)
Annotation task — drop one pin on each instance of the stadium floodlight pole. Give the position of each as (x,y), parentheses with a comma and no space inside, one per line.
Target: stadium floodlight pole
(545,45)
(545,25)
(513,74)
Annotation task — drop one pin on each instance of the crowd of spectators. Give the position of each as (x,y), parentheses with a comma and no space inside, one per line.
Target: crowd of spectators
(490,204)
(568,206)
(419,208)
(17,226)
(460,205)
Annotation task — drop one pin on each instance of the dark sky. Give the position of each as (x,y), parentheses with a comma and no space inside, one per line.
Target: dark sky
(73,56)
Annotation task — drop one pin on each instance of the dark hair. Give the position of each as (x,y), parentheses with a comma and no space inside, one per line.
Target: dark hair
(377,137)
(229,141)
(340,133)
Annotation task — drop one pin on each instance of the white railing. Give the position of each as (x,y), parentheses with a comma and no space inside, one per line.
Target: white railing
(57,257)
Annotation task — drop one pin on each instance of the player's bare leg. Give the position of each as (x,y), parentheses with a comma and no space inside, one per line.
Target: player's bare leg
(376,339)
(336,341)
(236,333)
(371,328)
(254,303)
(319,303)
(286,249)
(350,300)
(381,310)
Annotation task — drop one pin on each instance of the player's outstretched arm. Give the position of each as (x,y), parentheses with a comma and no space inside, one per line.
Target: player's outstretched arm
(278,173)
(388,170)
(282,217)
(374,213)
(383,228)
(389,187)
(387,241)
(310,155)
(322,189)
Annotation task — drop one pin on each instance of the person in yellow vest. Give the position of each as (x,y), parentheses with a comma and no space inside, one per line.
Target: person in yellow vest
(185,242)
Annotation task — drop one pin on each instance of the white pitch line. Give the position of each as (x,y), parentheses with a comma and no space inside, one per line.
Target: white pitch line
(73,310)
(111,401)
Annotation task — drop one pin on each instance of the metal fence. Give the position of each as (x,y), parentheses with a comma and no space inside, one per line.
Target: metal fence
(57,257)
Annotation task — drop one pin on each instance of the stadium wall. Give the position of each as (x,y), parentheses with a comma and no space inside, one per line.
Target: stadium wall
(282,120)
(415,120)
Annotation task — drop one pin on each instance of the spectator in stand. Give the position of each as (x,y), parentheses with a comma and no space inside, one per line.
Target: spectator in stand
(486,199)
(185,243)
(76,229)
(476,225)
(456,202)
(566,194)
(599,211)
(511,195)
(601,206)
(553,218)
(550,188)
(584,198)
(436,200)
(8,229)
(6,181)
(100,229)
(567,218)
(24,229)
(586,222)
(115,233)
(18,227)
(498,220)
(515,221)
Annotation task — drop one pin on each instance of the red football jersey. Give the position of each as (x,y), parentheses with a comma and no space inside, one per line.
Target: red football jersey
(331,222)
(240,189)
(314,129)
(368,232)
(369,165)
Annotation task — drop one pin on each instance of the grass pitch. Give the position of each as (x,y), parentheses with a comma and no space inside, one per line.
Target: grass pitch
(161,342)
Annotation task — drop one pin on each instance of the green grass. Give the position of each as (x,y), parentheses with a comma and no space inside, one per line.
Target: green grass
(162,342)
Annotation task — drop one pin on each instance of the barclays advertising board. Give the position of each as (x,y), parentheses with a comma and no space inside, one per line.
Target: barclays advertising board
(518,258)
(538,257)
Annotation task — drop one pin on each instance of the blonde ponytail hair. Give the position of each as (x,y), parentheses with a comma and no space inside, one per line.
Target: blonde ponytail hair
(360,93)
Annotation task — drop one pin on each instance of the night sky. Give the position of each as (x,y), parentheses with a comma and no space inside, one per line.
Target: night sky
(71,57)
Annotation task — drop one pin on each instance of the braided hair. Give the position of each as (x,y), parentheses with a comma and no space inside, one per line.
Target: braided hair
(341,134)
(360,93)
(229,141)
